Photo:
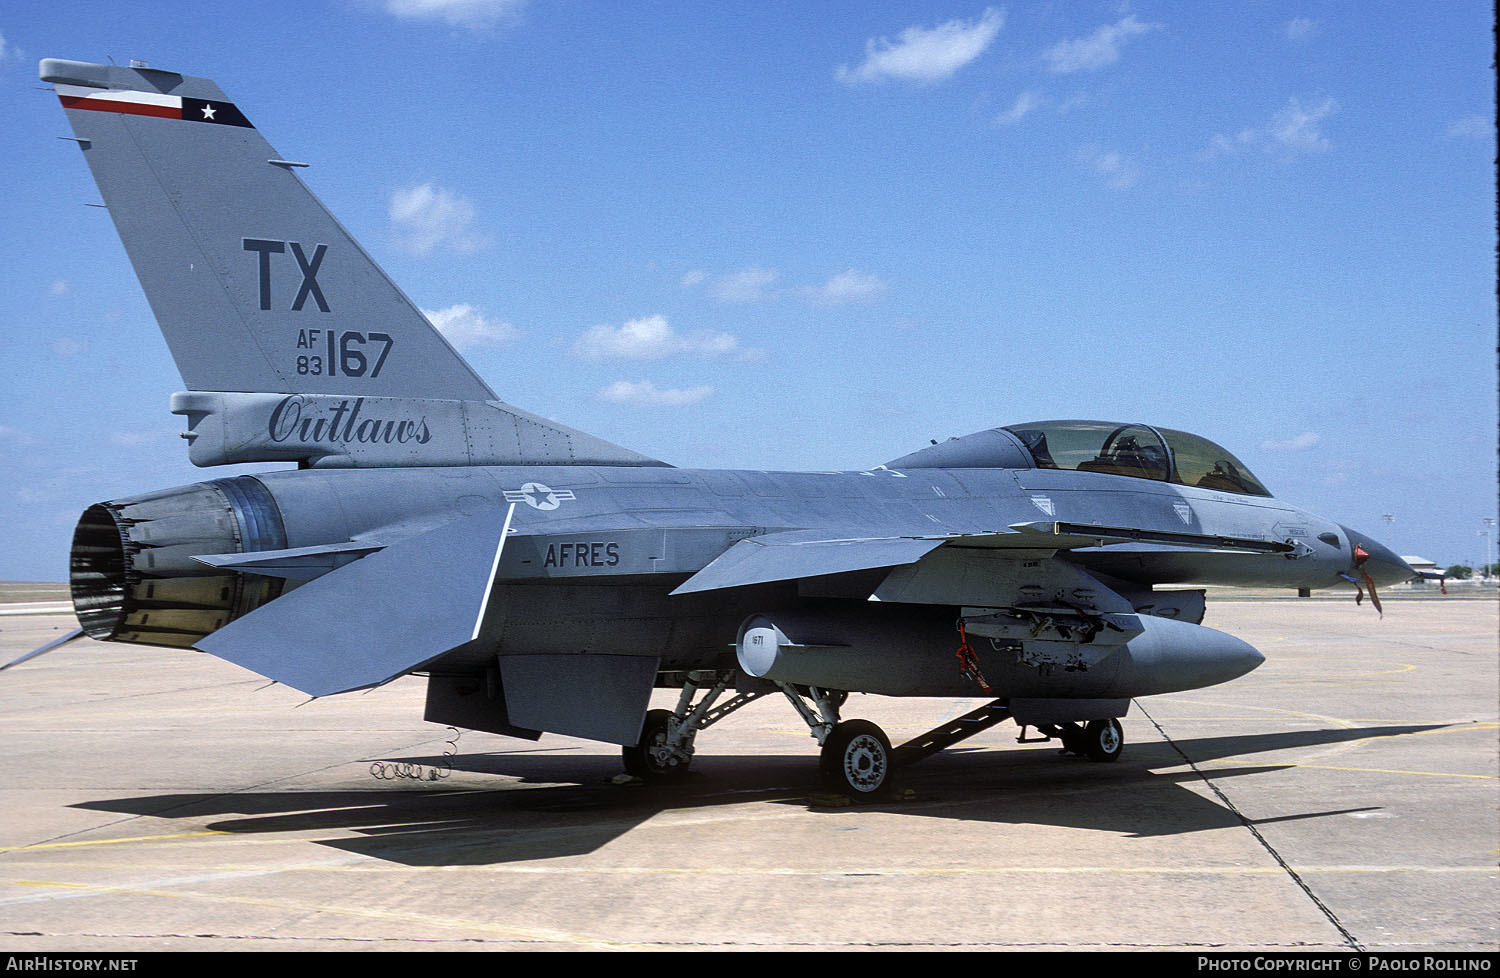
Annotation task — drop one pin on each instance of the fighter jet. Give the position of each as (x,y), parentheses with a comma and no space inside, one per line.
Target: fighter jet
(543,579)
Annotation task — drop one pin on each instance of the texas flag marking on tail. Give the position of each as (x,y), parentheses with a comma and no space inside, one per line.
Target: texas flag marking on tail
(152,104)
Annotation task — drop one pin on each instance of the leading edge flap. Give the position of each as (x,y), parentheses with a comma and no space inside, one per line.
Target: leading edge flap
(797,554)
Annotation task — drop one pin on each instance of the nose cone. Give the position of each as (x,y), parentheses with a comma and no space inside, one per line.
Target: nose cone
(1383,566)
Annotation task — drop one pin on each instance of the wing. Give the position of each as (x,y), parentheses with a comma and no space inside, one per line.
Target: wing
(797,554)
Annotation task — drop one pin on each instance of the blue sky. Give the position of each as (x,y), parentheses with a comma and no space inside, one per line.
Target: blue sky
(790,235)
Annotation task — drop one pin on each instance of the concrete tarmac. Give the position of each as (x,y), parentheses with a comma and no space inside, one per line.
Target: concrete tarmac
(1343,796)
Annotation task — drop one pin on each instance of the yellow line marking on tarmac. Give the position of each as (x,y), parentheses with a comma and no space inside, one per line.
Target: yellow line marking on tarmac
(976,870)
(1360,742)
(706,871)
(1280,711)
(1377,770)
(110,842)
(1351,745)
(453,923)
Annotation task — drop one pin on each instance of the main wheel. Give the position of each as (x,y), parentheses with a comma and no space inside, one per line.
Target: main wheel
(1103,740)
(856,759)
(647,759)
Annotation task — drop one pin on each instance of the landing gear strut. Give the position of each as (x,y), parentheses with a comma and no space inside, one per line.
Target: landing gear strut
(665,749)
(1099,740)
(856,759)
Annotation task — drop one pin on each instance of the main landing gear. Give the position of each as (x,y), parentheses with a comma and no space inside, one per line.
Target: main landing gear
(856,757)
(665,749)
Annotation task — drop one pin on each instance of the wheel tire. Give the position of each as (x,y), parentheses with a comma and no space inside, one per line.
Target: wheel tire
(1104,740)
(856,760)
(641,762)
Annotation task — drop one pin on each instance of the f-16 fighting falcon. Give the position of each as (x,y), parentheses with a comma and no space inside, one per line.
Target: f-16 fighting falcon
(543,579)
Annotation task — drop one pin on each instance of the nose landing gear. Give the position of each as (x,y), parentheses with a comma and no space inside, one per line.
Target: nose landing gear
(1099,740)
(1103,740)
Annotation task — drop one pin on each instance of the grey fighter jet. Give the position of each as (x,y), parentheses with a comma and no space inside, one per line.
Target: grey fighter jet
(543,579)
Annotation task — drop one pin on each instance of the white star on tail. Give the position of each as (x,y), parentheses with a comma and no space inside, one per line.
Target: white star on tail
(208,112)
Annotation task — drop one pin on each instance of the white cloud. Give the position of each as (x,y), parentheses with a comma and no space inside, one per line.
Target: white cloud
(1100,49)
(750,285)
(473,14)
(652,338)
(1300,443)
(65,347)
(846,287)
(59,287)
(925,54)
(1119,171)
(693,278)
(1470,126)
(425,217)
(1300,29)
(646,394)
(466,328)
(1025,104)
(1222,145)
(1294,129)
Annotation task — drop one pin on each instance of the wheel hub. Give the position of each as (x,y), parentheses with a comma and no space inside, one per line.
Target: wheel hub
(864,763)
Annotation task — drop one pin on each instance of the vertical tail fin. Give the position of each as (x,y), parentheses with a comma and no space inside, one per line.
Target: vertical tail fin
(255,285)
(293,343)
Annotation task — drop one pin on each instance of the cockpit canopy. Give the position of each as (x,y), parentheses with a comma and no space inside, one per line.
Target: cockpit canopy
(1135,450)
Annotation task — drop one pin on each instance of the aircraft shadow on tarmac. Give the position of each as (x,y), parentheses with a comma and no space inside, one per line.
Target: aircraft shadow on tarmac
(575,809)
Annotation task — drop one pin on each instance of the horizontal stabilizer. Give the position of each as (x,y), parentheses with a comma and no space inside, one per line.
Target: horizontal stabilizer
(376,618)
(296,564)
(798,553)
(54,644)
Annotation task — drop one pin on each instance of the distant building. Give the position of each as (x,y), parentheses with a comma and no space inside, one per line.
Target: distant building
(1429,572)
